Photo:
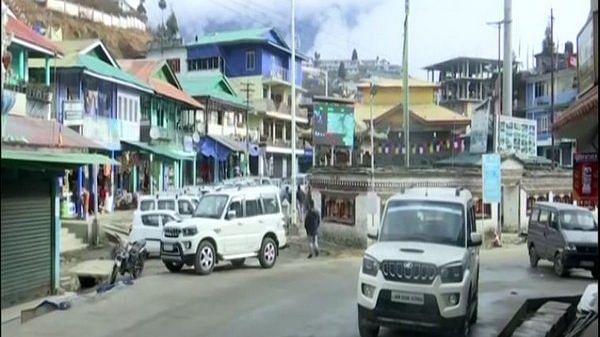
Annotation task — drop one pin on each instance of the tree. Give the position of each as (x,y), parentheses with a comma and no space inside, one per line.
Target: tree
(354,55)
(141,10)
(162,4)
(342,71)
(172,27)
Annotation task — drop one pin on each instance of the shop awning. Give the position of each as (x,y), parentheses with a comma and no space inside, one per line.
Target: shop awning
(162,150)
(56,157)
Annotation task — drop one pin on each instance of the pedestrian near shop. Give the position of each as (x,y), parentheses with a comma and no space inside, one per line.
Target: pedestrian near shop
(311,224)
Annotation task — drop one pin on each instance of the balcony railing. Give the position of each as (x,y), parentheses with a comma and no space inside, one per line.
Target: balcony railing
(149,133)
(278,73)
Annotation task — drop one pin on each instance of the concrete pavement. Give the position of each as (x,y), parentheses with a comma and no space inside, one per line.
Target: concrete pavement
(298,297)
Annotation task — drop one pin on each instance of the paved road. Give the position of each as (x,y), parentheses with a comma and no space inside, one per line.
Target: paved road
(298,298)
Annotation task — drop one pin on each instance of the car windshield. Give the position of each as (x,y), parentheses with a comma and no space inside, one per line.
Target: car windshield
(211,206)
(577,220)
(424,221)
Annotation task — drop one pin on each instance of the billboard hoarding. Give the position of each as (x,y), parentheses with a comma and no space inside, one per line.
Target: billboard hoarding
(517,136)
(585,178)
(333,125)
(587,51)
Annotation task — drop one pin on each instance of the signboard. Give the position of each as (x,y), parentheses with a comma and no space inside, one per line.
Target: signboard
(479,128)
(587,47)
(585,178)
(333,125)
(517,136)
(492,178)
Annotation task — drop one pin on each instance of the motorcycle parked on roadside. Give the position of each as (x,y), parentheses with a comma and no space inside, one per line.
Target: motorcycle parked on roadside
(129,257)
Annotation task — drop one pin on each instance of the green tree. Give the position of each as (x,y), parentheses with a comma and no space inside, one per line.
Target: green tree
(354,55)
(342,71)
(172,27)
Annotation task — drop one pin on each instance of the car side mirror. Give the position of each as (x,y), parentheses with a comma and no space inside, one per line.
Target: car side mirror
(476,239)
(372,233)
(231,215)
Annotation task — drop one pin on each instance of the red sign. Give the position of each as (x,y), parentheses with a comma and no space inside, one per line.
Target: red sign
(585,179)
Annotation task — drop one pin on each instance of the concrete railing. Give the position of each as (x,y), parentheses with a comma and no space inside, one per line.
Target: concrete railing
(82,12)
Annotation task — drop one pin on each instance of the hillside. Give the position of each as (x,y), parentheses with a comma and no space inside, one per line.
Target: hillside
(123,43)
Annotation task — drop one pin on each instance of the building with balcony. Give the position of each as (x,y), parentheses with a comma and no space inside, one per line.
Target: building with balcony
(164,157)
(30,94)
(257,62)
(538,102)
(464,82)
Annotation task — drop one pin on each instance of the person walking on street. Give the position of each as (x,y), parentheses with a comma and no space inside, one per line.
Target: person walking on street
(311,224)
(300,202)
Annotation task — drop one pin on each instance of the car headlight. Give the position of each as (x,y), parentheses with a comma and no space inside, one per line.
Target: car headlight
(570,247)
(189,231)
(452,273)
(370,265)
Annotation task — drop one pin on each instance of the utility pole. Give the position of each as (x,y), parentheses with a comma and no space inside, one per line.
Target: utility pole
(293,70)
(499,25)
(405,89)
(552,85)
(507,84)
(248,89)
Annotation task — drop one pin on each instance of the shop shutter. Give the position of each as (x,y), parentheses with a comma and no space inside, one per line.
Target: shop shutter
(26,229)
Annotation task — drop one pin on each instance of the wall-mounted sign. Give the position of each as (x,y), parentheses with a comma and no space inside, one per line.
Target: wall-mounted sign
(517,136)
(585,178)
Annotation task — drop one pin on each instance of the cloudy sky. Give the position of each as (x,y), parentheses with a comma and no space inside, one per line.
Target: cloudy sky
(438,29)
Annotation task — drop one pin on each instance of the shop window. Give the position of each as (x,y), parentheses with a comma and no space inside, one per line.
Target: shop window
(338,209)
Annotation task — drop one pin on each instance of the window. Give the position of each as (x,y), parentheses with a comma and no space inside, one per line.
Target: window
(250,60)
(166,204)
(175,65)
(135,115)
(120,113)
(278,131)
(253,208)
(577,220)
(150,220)
(185,207)
(544,217)
(219,117)
(270,204)
(130,113)
(539,89)
(211,206)
(167,218)
(535,215)
(204,63)
(147,205)
(235,206)
(554,220)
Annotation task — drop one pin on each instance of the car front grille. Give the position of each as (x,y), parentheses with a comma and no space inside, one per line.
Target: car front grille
(172,232)
(408,272)
(587,249)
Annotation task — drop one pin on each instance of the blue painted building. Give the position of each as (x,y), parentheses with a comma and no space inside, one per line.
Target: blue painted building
(537,106)
(258,64)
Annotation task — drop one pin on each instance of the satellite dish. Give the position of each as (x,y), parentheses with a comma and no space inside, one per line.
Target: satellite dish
(154,133)
(196,137)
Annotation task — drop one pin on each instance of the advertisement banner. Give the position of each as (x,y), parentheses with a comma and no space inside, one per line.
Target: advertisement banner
(492,178)
(585,178)
(517,136)
(333,125)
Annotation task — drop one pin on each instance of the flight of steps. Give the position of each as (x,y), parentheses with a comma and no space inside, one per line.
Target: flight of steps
(69,242)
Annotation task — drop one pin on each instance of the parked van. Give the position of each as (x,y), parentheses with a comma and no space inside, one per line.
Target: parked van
(564,234)
(148,225)
(184,205)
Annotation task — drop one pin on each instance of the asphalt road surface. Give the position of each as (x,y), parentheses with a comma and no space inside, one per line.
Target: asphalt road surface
(297,298)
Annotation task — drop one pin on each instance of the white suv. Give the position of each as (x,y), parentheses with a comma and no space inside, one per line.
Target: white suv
(231,224)
(423,270)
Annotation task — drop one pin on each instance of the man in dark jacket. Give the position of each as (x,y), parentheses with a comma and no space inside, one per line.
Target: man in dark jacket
(311,224)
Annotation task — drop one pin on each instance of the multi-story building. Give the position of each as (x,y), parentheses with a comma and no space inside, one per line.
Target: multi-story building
(465,82)
(258,64)
(538,101)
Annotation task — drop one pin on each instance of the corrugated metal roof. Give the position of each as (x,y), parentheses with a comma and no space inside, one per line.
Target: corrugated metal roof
(29,131)
(25,33)
(57,157)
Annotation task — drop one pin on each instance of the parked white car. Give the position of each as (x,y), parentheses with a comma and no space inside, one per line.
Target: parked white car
(148,225)
(184,205)
(423,270)
(231,224)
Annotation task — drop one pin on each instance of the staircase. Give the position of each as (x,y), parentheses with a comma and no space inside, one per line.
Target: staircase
(69,242)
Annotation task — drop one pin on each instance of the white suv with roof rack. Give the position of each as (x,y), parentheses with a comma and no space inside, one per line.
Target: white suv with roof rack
(423,270)
(231,224)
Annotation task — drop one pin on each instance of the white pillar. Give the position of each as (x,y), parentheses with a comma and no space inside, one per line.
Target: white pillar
(550,196)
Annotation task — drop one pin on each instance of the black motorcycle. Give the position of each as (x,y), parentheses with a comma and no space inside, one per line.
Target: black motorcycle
(129,257)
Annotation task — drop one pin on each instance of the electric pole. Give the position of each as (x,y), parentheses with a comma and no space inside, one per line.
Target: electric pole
(293,70)
(248,89)
(405,89)
(507,84)
(552,85)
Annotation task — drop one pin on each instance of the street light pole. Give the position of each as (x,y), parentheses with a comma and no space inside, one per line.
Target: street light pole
(405,89)
(293,70)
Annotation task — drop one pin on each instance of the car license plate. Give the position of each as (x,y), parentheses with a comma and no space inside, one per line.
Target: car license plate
(586,263)
(410,298)
(168,247)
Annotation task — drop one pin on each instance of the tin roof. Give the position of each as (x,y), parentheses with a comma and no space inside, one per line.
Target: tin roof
(31,39)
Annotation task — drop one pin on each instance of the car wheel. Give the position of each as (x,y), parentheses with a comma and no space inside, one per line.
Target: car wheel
(533,257)
(268,253)
(559,267)
(366,329)
(238,262)
(205,258)
(173,267)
